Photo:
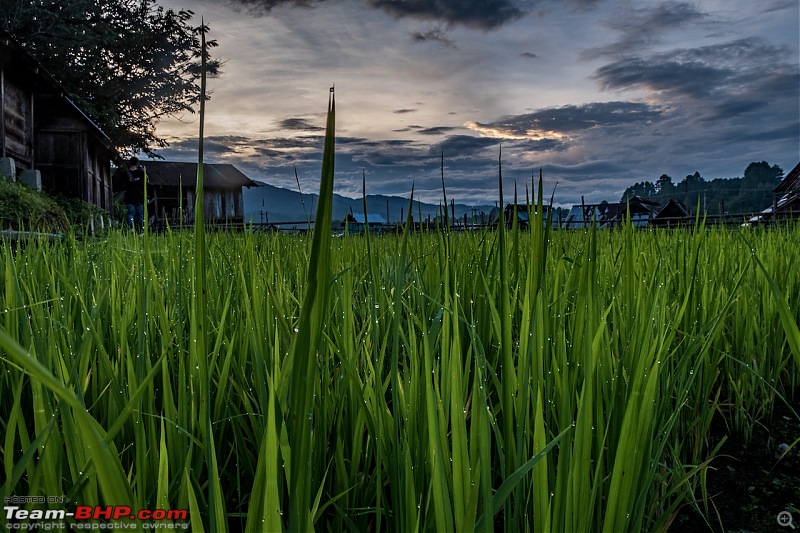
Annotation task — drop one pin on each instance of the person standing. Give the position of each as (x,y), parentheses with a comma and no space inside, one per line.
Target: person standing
(134,193)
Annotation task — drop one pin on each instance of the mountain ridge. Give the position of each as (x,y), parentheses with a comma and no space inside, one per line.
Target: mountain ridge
(269,203)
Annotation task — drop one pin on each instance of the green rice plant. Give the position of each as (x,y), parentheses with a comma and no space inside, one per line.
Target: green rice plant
(503,379)
(303,362)
(412,388)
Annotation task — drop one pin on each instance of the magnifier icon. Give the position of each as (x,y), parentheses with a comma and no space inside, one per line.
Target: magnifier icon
(785,519)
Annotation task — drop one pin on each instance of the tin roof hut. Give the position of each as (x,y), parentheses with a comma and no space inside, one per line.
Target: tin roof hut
(173,185)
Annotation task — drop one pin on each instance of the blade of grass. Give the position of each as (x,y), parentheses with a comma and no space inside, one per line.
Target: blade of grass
(303,361)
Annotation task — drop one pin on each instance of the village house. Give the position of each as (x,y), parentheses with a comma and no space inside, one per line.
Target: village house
(523,213)
(607,215)
(583,215)
(172,186)
(786,202)
(789,188)
(673,214)
(47,141)
(356,222)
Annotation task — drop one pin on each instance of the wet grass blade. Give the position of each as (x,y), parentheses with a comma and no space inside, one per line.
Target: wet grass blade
(304,366)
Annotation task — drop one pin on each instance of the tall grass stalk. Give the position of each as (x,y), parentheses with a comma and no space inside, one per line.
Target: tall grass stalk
(304,372)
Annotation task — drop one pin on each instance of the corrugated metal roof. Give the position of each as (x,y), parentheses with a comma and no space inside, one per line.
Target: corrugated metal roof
(374,218)
(791,182)
(216,175)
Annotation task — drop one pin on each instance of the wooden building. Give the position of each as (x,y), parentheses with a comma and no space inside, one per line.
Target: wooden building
(356,222)
(786,200)
(673,214)
(788,204)
(523,212)
(47,140)
(173,185)
(607,215)
(582,216)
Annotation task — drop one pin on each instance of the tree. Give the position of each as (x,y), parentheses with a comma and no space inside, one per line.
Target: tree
(664,187)
(126,63)
(644,189)
(694,182)
(757,183)
(759,176)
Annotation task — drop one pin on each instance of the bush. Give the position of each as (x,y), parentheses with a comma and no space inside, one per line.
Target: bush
(23,208)
(79,213)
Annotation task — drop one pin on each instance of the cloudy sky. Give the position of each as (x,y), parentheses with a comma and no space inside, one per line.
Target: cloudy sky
(599,93)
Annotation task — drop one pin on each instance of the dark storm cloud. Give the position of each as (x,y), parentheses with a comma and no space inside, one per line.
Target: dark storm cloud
(436,35)
(640,22)
(462,150)
(463,145)
(267,152)
(770,134)
(643,27)
(277,150)
(350,140)
(389,153)
(748,66)
(572,118)
(299,124)
(691,78)
(289,143)
(734,107)
(543,145)
(212,146)
(265,6)
(592,168)
(779,5)
(478,14)
(438,130)
(585,5)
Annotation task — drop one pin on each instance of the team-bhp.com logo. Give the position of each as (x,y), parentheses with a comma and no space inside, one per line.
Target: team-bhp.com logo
(94,517)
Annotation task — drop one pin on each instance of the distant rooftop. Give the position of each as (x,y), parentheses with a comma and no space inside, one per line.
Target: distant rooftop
(216,175)
(374,218)
(791,182)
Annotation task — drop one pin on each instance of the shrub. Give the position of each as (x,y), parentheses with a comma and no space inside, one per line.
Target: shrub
(24,208)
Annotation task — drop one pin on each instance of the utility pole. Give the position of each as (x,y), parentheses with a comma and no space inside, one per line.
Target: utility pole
(686,194)
(774,207)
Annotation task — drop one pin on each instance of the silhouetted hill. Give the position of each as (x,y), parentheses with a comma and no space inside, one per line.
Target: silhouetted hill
(276,204)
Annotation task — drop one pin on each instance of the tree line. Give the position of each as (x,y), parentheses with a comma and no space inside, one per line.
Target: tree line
(748,194)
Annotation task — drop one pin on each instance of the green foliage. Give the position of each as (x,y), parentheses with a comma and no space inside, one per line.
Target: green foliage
(749,194)
(127,63)
(79,212)
(24,208)
(303,359)
(625,346)
(761,175)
